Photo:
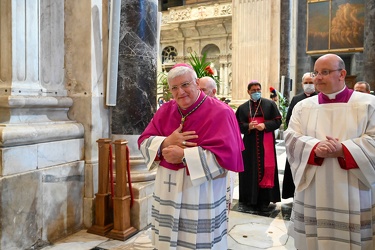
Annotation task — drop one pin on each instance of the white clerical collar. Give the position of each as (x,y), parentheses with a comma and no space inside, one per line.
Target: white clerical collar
(333,95)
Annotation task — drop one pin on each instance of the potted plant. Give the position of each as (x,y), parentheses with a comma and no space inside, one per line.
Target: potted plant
(283,107)
(163,86)
(202,67)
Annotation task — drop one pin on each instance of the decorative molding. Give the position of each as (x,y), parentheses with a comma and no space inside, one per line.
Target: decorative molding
(194,13)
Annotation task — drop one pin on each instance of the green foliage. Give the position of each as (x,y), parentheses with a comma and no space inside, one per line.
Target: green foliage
(202,67)
(283,107)
(163,86)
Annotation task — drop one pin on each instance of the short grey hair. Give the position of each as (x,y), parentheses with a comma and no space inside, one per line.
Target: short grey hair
(307,74)
(179,71)
(366,84)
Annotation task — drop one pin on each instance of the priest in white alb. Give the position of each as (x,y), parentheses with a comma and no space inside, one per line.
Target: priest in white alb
(330,146)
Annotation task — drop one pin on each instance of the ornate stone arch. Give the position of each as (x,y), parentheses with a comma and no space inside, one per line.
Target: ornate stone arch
(211,50)
(213,55)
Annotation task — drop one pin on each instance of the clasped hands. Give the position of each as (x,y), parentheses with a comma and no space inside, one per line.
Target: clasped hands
(173,146)
(256,125)
(330,148)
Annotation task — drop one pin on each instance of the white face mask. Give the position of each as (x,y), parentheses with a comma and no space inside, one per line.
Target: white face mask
(309,88)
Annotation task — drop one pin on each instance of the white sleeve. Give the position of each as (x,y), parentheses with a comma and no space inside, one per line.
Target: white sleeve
(202,165)
(150,148)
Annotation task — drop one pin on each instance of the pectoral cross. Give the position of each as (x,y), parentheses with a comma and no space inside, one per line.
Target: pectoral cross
(182,120)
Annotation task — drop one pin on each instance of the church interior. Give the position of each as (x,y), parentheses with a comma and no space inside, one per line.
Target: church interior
(79,79)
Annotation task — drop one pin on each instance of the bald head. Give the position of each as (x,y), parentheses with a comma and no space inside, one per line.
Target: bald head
(208,85)
(329,71)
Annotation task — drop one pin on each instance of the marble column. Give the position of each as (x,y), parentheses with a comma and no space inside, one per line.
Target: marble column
(256,46)
(136,95)
(369,44)
(41,147)
(304,62)
(285,40)
(225,80)
(222,84)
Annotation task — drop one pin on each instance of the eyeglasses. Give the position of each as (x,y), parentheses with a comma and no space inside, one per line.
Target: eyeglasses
(183,86)
(324,72)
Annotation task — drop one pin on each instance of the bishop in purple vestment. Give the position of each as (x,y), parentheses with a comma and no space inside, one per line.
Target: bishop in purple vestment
(193,141)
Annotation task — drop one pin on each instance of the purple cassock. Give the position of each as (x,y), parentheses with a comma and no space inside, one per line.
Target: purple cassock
(213,121)
(343,96)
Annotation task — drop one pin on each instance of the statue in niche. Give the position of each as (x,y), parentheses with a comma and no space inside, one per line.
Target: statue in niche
(212,65)
(170,60)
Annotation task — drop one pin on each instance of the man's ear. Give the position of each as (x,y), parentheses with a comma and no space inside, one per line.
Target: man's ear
(343,73)
(214,91)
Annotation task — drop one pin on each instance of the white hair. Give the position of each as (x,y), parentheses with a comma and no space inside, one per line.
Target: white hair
(179,71)
(307,74)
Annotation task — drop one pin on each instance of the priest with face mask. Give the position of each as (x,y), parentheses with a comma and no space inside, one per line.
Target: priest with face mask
(258,118)
(308,91)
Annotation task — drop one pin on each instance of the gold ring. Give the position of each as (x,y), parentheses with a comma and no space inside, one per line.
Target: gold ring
(184,143)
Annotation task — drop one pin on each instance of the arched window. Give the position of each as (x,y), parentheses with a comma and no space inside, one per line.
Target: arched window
(168,55)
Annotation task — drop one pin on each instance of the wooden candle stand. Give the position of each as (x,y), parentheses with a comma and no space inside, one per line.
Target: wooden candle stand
(122,229)
(103,213)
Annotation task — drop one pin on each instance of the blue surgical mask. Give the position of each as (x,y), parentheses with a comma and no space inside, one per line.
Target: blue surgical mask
(255,96)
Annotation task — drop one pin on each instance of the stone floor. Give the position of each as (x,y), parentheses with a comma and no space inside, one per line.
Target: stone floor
(248,229)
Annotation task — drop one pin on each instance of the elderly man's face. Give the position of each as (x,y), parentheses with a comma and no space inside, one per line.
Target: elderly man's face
(308,80)
(360,88)
(185,90)
(206,88)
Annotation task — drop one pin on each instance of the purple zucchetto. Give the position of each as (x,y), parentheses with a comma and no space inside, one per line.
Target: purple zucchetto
(183,65)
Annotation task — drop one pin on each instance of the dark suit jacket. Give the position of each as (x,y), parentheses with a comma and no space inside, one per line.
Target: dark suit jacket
(294,101)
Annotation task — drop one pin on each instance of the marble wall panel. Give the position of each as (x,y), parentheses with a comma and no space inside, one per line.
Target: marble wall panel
(143,189)
(21,210)
(91,112)
(47,206)
(34,133)
(140,213)
(88,212)
(90,189)
(52,48)
(60,152)
(62,193)
(91,179)
(15,160)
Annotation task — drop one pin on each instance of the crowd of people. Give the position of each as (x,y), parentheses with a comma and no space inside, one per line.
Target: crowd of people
(198,143)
